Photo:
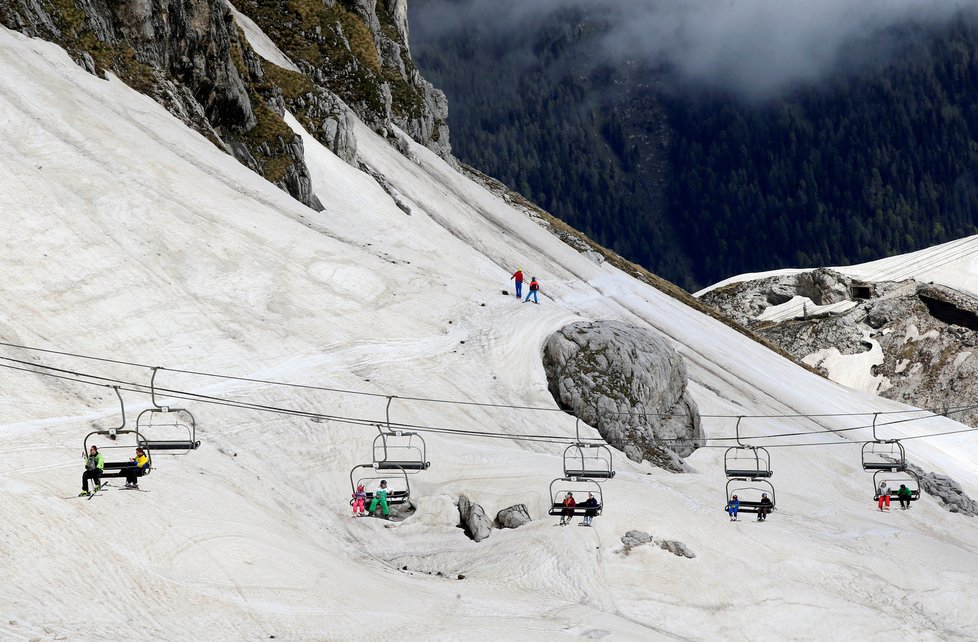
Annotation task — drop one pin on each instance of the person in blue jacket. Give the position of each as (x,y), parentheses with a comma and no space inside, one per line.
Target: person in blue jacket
(733,506)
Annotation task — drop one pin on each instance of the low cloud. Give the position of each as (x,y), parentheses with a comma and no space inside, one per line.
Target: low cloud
(754,47)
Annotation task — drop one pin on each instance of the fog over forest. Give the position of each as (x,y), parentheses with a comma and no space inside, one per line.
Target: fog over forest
(753,47)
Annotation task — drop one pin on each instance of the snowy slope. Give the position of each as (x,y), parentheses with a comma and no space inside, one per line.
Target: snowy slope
(954,264)
(128,236)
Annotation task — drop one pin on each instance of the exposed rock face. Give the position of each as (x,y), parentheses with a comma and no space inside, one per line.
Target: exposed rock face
(357,50)
(676,548)
(610,373)
(512,517)
(947,491)
(189,57)
(473,519)
(926,334)
(633,539)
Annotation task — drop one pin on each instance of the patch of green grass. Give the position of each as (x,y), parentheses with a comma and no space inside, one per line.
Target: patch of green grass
(293,84)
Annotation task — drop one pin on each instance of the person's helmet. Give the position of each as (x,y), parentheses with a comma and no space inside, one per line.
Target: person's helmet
(763,494)
(734,497)
(360,487)
(903,486)
(383,482)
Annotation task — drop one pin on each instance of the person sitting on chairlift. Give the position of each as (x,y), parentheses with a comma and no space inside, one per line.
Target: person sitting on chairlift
(137,468)
(591,504)
(568,512)
(904,495)
(765,508)
(380,497)
(733,506)
(359,499)
(94,465)
(883,495)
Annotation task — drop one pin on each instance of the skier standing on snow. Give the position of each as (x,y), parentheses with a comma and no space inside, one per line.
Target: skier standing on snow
(568,512)
(904,496)
(138,466)
(94,465)
(518,277)
(534,287)
(733,506)
(380,497)
(765,508)
(883,495)
(591,504)
(359,499)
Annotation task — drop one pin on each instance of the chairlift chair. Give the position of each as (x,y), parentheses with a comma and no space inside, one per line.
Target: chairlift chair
(888,455)
(117,445)
(370,476)
(398,449)
(750,462)
(580,487)
(894,479)
(746,461)
(172,431)
(588,461)
(748,492)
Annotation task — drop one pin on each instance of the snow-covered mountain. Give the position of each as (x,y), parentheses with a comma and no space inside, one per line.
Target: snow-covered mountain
(131,237)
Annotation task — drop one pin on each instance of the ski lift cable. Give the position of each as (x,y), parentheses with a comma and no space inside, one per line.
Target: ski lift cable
(206,399)
(310,415)
(451,401)
(193,396)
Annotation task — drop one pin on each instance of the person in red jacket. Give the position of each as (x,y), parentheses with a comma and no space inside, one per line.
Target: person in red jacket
(518,277)
(534,287)
(568,512)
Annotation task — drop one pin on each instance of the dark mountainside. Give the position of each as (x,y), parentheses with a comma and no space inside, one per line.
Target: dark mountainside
(698,184)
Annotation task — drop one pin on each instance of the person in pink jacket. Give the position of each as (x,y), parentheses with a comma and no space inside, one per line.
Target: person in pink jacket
(359,498)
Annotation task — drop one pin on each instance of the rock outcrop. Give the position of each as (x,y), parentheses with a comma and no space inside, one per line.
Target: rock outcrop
(357,50)
(926,335)
(634,539)
(947,491)
(513,517)
(192,57)
(628,383)
(473,519)
(631,539)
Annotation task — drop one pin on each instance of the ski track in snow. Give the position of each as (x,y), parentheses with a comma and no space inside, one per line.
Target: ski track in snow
(129,236)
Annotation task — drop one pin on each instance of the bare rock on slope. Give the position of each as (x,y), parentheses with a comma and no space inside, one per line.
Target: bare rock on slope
(473,519)
(628,383)
(513,517)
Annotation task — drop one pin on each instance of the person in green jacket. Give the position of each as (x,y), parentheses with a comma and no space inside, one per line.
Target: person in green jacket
(904,496)
(380,497)
(94,465)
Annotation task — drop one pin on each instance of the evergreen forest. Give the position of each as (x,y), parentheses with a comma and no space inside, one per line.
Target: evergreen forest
(699,184)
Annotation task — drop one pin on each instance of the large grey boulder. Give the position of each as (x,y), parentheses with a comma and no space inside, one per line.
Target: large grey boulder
(473,519)
(631,539)
(628,383)
(513,517)
(675,547)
